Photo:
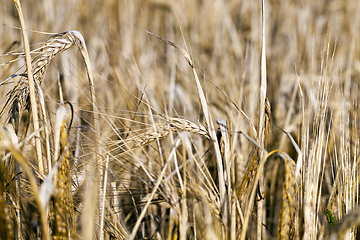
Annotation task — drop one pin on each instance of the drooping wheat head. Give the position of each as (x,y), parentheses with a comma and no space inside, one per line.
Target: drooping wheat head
(18,98)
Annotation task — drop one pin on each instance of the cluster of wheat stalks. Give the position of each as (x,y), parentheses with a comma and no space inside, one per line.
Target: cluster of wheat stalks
(128,156)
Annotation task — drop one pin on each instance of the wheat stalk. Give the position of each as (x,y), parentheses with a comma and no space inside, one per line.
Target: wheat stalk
(31,87)
(261,127)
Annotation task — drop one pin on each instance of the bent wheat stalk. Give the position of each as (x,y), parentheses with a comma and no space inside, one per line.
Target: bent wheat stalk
(18,97)
(31,87)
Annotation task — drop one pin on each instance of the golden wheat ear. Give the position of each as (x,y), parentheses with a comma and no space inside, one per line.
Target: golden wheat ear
(288,214)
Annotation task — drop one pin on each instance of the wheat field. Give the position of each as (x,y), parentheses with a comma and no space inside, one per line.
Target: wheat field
(155,119)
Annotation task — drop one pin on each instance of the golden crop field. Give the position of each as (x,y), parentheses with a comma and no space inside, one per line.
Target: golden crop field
(188,119)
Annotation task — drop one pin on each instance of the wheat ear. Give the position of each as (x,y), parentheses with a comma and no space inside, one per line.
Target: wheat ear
(288,214)
(162,131)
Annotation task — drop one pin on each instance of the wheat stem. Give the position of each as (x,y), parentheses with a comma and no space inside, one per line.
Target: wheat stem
(102,202)
(31,87)
(261,128)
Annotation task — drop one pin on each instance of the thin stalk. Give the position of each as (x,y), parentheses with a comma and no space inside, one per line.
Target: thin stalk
(261,128)
(46,128)
(105,175)
(184,208)
(212,133)
(31,88)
